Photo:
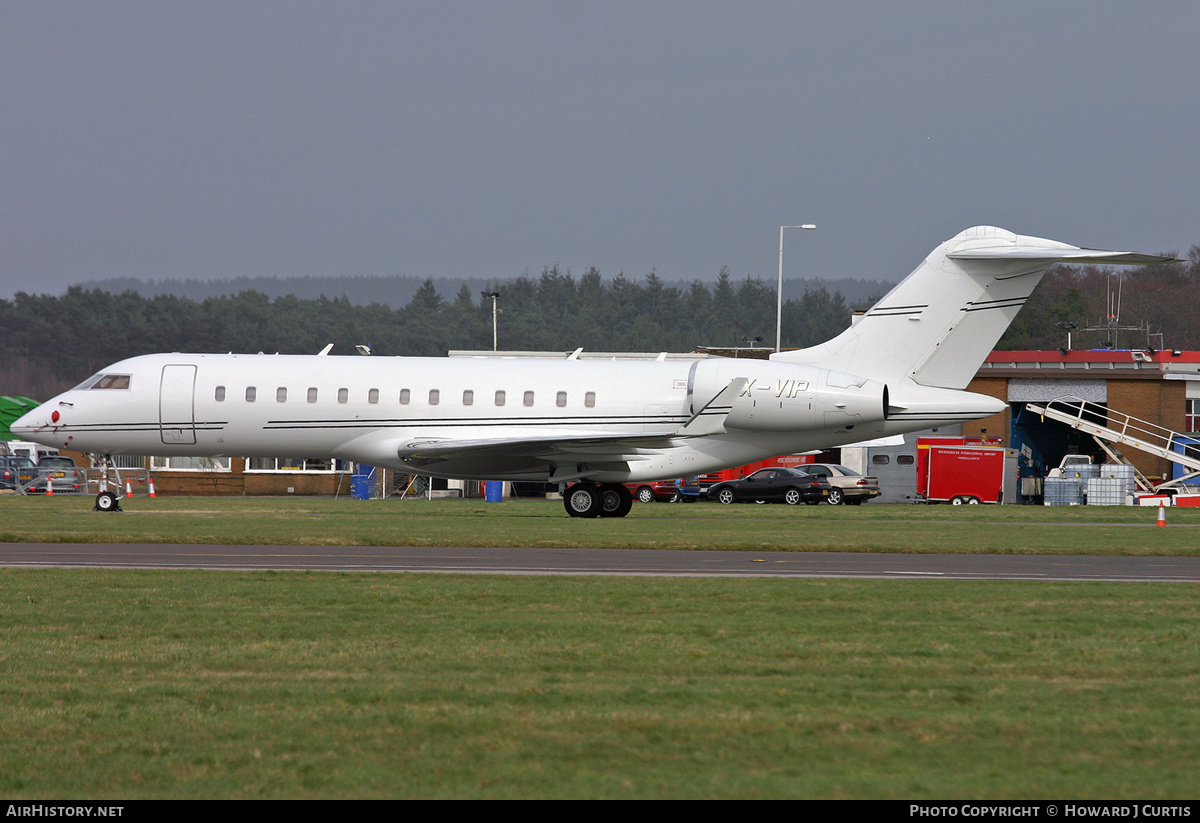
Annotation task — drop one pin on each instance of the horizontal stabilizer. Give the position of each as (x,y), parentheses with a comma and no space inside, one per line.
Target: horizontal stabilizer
(938,324)
(1065,255)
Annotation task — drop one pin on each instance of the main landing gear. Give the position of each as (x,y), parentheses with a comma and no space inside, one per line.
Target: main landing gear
(597,500)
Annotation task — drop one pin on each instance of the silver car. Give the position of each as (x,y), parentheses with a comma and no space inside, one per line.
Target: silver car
(849,486)
(62,474)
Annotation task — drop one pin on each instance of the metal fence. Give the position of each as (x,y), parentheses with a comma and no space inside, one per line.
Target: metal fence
(66,480)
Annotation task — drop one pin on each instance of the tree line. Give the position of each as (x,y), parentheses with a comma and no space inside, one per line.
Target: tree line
(51,342)
(1163,300)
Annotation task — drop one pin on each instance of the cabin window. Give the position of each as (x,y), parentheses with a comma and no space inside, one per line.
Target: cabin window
(435,396)
(405,396)
(251,394)
(281,394)
(312,394)
(373,395)
(468,397)
(343,395)
(500,398)
(560,399)
(111,381)
(589,400)
(219,394)
(528,398)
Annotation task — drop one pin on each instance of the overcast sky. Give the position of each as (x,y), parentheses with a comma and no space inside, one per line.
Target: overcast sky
(487,139)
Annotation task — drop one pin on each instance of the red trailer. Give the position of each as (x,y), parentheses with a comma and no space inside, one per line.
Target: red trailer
(949,470)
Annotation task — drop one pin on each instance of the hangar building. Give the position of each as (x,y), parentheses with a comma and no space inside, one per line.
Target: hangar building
(1159,387)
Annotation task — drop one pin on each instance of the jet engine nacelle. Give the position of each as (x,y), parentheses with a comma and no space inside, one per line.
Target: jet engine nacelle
(780,398)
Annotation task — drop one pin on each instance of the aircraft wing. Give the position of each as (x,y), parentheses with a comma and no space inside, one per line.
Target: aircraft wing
(561,458)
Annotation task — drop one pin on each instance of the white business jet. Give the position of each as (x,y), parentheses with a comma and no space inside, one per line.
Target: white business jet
(587,425)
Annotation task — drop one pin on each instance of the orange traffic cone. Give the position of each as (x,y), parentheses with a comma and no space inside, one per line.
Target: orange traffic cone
(49,487)
(1162,516)
(128,489)
(152,494)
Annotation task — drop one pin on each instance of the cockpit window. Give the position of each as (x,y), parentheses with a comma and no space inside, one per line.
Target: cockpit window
(109,381)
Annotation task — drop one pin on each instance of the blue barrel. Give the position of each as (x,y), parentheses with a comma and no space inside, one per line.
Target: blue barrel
(493,491)
(361,482)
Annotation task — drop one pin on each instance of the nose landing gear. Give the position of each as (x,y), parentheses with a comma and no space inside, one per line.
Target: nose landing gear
(107,502)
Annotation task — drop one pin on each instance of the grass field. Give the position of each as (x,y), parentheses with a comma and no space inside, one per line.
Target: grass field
(258,685)
(873,527)
(152,684)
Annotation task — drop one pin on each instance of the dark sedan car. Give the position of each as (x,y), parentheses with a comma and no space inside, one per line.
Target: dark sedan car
(777,485)
(15,471)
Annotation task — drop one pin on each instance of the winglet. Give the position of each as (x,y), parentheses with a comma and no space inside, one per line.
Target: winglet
(711,418)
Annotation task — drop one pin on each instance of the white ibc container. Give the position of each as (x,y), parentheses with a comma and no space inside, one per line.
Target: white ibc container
(1062,491)
(1106,491)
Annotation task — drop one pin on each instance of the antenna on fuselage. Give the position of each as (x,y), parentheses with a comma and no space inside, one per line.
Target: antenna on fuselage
(325,350)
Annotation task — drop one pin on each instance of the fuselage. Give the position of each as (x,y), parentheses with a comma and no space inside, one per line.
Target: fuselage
(368,409)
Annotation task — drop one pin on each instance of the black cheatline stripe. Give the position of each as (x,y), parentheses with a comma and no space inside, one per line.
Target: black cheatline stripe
(895,312)
(139,427)
(995,304)
(606,420)
(599,418)
(419,424)
(933,418)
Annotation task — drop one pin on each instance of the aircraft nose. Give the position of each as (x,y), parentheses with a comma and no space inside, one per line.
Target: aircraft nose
(33,422)
(24,424)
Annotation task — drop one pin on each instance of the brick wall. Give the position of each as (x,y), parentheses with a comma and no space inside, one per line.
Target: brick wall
(998,424)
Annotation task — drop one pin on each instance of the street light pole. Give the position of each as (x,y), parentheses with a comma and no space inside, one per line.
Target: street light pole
(779,293)
(493,295)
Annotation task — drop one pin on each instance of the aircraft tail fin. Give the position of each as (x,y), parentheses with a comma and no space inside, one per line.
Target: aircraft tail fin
(938,325)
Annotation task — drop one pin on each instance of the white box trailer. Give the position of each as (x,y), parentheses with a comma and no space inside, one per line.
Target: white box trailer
(23,448)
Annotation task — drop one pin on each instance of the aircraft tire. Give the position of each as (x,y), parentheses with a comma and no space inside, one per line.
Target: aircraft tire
(107,502)
(582,500)
(615,500)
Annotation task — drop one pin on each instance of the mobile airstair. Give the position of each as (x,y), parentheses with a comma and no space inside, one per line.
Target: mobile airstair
(1111,428)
